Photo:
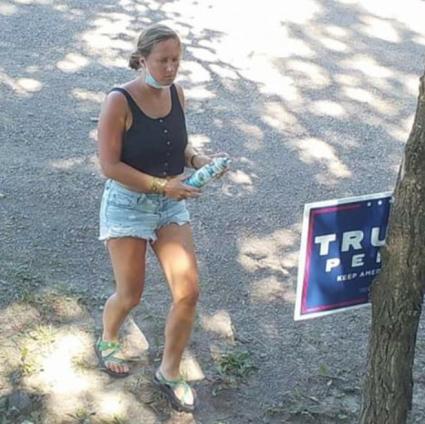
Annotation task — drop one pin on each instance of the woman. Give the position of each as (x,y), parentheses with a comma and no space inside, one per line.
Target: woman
(143,150)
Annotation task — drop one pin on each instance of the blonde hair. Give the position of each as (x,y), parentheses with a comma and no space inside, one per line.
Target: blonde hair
(147,41)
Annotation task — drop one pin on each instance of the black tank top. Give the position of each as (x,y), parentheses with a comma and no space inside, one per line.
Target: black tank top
(155,146)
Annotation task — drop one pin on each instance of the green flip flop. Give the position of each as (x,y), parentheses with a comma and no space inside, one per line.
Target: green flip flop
(168,388)
(107,352)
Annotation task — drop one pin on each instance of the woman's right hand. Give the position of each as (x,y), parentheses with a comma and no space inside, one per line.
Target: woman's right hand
(178,190)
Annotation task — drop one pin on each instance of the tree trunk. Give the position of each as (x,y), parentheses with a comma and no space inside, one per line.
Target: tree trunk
(397,294)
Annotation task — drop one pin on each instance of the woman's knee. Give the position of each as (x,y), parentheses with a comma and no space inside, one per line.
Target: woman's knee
(129,300)
(190,295)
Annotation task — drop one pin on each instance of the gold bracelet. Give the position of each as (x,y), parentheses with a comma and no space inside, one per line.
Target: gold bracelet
(158,185)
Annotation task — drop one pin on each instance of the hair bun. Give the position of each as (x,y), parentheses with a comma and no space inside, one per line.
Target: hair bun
(134,62)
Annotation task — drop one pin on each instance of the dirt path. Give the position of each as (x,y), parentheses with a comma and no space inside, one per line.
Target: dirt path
(314,105)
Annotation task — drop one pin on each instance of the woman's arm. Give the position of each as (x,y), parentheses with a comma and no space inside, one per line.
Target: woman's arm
(111,127)
(193,159)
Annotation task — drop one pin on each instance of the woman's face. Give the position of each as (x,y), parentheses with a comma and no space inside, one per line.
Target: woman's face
(164,60)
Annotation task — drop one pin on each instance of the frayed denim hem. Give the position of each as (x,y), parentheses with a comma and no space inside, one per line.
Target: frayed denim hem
(112,235)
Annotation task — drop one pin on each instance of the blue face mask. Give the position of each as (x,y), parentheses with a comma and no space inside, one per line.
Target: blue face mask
(150,80)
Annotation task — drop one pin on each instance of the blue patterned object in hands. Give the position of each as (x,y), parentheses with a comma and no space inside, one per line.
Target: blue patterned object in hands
(205,174)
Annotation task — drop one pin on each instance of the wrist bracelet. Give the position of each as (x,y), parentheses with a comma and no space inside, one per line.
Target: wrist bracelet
(158,185)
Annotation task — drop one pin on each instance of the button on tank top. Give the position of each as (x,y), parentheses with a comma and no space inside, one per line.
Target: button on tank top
(155,146)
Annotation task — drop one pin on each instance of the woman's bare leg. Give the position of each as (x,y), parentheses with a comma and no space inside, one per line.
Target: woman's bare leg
(175,252)
(128,262)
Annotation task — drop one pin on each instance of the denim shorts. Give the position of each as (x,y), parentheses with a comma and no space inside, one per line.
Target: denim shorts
(127,213)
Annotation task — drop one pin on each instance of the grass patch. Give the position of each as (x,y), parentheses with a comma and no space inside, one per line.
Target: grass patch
(43,334)
(82,364)
(28,365)
(116,419)
(234,367)
(82,416)
(237,364)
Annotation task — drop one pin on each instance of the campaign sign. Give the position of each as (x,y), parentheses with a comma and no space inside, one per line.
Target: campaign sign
(339,254)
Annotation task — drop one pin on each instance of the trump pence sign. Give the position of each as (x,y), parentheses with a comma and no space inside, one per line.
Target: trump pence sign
(339,254)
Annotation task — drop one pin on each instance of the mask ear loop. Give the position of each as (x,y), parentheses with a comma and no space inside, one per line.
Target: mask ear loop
(142,65)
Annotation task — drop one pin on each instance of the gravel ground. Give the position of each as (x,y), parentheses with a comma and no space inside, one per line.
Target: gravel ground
(313,101)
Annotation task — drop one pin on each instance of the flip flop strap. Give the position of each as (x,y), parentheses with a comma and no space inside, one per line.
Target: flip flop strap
(114,347)
(175,383)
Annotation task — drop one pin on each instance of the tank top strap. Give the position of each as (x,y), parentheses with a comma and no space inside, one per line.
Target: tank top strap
(133,105)
(175,101)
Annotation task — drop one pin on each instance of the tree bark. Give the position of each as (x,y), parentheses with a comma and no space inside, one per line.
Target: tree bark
(397,293)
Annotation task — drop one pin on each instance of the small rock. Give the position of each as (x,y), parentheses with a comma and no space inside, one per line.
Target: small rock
(20,402)
(2,196)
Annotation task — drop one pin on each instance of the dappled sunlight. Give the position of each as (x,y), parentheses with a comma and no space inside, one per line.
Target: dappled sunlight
(378,28)
(257,253)
(57,363)
(91,162)
(408,12)
(93,134)
(368,66)
(327,107)
(269,289)
(253,135)
(34,2)
(279,117)
(224,72)
(15,320)
(29,85)
(347,80)
(271,80)
(314,151)
(199,93)
(238,183)
(21,86)
(400,130)
(190,367)
(219,323)
(86,95)
(67,164)
(204,55)
(411,84)
(419,39)
(104,39)
(195,71)
(336,31)
(373,100)
(335,45)
(73,62)
(199,141)
(358,94)
(59,373)
(111,403)
(308,74)
(8,9)
(16,317)
(220,16)
(290,260)
(138,7)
